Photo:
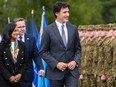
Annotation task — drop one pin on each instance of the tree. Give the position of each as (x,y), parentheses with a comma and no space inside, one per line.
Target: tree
(109,11)
(81,12)
(86,12)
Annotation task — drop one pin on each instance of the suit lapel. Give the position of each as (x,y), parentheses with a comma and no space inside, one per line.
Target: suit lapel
(69,34)
(57,33)
(26,40)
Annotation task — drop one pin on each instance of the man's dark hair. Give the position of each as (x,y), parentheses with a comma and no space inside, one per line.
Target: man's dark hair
(58,6)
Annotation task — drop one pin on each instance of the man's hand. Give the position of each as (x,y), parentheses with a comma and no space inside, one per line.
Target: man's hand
(81,77)
(41,73)
(72,65)
(103,77)
(61,66)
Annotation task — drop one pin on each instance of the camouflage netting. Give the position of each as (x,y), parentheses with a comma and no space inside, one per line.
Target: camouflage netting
(98,27)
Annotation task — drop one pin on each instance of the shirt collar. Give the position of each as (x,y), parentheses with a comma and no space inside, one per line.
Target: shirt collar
(21,35)
(60,24)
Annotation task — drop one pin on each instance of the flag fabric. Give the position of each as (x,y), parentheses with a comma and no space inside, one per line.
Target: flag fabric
(39,81)
(33,29)
(43,22)
(26,23)
(35,34)
(43,25)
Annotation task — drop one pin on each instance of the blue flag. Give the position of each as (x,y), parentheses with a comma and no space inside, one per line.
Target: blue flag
(33,29)
(35,34)
(26,23)
(43,25)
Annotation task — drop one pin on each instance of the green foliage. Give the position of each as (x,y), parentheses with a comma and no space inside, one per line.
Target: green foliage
(81,12)
(86,12)
(109,11)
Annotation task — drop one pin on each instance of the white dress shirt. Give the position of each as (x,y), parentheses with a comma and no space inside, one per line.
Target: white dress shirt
(59,25)
(23,39)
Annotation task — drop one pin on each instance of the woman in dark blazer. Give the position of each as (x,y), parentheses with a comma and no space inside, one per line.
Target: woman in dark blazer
(12,58)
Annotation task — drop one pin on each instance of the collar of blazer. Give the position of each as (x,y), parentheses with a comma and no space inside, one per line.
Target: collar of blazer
(8,51)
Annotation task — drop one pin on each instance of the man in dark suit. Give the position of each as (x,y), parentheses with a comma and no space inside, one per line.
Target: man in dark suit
(32,53)
(60,48)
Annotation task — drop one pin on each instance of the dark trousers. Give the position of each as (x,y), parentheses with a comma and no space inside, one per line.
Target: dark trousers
(26,84)
(67,81)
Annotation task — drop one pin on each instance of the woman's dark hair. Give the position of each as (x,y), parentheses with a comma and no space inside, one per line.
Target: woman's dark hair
(58,6)
(6,35)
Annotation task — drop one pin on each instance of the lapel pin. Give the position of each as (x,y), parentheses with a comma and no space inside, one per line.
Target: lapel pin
(27,38)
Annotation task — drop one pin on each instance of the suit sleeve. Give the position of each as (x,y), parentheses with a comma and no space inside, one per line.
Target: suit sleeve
(37,59)
(45,48)
(77,47)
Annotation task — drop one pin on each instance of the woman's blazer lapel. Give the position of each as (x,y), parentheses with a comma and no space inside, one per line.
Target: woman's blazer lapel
(9,55)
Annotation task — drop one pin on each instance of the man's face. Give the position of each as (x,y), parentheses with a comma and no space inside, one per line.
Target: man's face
(63,15)
(114,33)
(109,34)
(103,33)
(85,33)
(91,34)
(80,34)
(21,27)
(98,32)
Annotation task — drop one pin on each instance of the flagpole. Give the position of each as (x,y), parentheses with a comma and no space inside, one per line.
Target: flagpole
(32,11)
(8,19)
(34,33)
(45,81)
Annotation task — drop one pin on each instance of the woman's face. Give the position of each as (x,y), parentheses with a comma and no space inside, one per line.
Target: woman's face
(15,34)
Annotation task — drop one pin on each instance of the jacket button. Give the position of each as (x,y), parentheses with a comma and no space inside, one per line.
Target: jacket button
(7,64)
(22,52)
(5,58)
(4,52)
(22,58)
(20,64)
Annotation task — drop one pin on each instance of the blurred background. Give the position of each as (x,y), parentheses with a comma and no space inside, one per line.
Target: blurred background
(82,12)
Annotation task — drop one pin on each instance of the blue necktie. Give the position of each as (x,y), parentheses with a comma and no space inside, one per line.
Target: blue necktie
(20,37)
(63,35)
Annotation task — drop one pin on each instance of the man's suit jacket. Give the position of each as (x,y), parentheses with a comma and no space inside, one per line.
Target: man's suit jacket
(7,66)
(53,50)
(32,55)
